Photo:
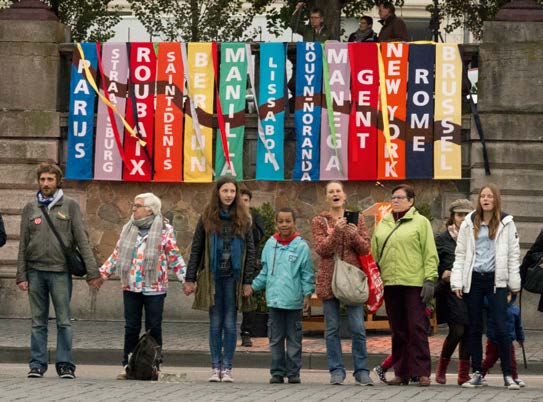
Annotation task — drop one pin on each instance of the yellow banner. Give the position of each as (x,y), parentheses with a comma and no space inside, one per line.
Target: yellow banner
(198,144)
(448,113)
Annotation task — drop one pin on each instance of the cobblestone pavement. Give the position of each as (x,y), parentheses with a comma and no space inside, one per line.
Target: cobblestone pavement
(94,383)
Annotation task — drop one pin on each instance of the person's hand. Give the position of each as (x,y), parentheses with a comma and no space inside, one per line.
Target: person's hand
(96,283)
(247,290)
(23,286)
(446,277)
(189,288)
(341,224)
(458,293)
(351,229)
(427,292)
(307,303)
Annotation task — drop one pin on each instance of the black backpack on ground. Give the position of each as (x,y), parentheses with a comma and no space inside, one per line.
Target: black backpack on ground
(144,361)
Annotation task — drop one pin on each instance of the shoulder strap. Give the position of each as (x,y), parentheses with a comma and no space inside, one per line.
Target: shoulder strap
(386,240)
(53,228)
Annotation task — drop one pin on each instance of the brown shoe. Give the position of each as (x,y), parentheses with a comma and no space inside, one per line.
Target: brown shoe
(398,381)
(424,381)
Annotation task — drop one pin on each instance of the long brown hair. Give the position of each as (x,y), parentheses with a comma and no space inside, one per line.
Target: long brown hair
(239,214)
(494,223)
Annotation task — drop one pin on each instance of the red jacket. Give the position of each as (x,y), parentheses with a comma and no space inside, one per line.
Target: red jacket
(329,242)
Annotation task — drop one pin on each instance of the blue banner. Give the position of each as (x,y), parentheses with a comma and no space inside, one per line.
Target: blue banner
(81,117)
(419,141)
(271,105)
(307,115)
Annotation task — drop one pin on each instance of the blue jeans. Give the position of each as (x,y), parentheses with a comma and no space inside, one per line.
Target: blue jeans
(285,324)
(355,314)
(134,303)
(58,285)
(222,324)
(483,285)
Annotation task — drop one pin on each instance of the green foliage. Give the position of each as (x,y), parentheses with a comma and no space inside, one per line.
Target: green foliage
(425,210)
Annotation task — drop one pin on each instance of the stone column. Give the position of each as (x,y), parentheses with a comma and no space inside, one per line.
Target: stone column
(511,108)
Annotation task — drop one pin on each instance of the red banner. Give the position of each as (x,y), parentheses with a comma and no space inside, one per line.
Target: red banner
(364,112)
(140,112)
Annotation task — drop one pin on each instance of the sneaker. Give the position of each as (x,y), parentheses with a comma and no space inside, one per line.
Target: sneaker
(363,378)
(336,380)
(246,341)
(509,383)
(295,379)
(66,372)
(519,382)
(35,373)
(215,375)
(226,375)
(477,380)
(381,373)
(276,379)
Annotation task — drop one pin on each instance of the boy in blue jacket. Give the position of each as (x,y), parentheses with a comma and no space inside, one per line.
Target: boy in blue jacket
(516,333)
(287,275)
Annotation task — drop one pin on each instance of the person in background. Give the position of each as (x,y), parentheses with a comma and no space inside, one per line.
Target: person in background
(315,31)
(146,249)
(220,271)
(3,236)
(287,275)
(248,320)
(365,32)
(486,264)
(334,237)
(394,29)
(451,309)
(403,246)
(532,257)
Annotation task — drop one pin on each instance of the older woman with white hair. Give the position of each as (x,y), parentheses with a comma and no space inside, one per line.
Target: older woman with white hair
(142,256)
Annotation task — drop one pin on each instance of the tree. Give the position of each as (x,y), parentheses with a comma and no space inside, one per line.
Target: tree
(88,20)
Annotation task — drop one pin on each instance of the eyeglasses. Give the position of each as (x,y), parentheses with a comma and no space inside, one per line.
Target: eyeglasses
(136,206)
(398,197)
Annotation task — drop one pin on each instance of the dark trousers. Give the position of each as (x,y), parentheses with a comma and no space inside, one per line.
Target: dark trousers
(482,285)
(285,325)
(248,323)
(491,357)
(134,303)
(409,325)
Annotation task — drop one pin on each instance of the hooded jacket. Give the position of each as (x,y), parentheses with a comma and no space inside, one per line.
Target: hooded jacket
(507,251)
(514,324)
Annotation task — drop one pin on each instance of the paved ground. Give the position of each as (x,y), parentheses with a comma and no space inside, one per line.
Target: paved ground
(94,383)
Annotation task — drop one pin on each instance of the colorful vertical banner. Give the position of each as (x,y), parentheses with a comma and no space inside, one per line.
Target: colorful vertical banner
(198,144)
(448,113)
(169,113)
(232,91)
(364,112)
(419,137)
(140,112)
(335,112)
(395,57)
(81,117)
(307,115)
(107,159)
(270,157)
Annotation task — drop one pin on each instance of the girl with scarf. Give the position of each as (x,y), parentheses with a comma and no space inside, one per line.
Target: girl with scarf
(451,309)
(221,270)
(142,256)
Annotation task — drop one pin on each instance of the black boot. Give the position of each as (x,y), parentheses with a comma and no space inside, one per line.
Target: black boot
(246,339)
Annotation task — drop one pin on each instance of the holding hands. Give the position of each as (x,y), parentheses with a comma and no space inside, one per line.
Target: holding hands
(247,290)
(189,288)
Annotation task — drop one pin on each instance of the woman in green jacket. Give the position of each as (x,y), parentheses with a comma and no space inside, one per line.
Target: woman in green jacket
(404,248)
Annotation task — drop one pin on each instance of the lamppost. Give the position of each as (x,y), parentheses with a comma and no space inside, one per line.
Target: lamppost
(520,10)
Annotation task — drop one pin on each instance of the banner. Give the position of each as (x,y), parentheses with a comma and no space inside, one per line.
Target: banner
(198,146)
(232,92)
(140,112)
(107,161)
(169,113)
(448,113)
(335,112)
(81,116)
(419,138)
(364,112)
(395,61)
(271,105)
(307,115)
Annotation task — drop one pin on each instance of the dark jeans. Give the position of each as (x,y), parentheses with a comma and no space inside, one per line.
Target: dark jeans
(483,285)
(248,323)
(134,303)
(222,324)
(285,325)
(409,325)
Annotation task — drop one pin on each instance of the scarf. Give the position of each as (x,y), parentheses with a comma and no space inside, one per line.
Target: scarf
(51,201)
(152,227)
(216,246)
(453,231)
(360,36)
(399,215)
(284,242)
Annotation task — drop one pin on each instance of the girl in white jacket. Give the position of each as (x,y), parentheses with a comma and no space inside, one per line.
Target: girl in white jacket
(487,265)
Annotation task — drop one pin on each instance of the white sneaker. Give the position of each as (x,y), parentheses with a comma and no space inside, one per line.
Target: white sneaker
(226,375)
(215,375)
(509,383)
(477,380)
(520,383)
